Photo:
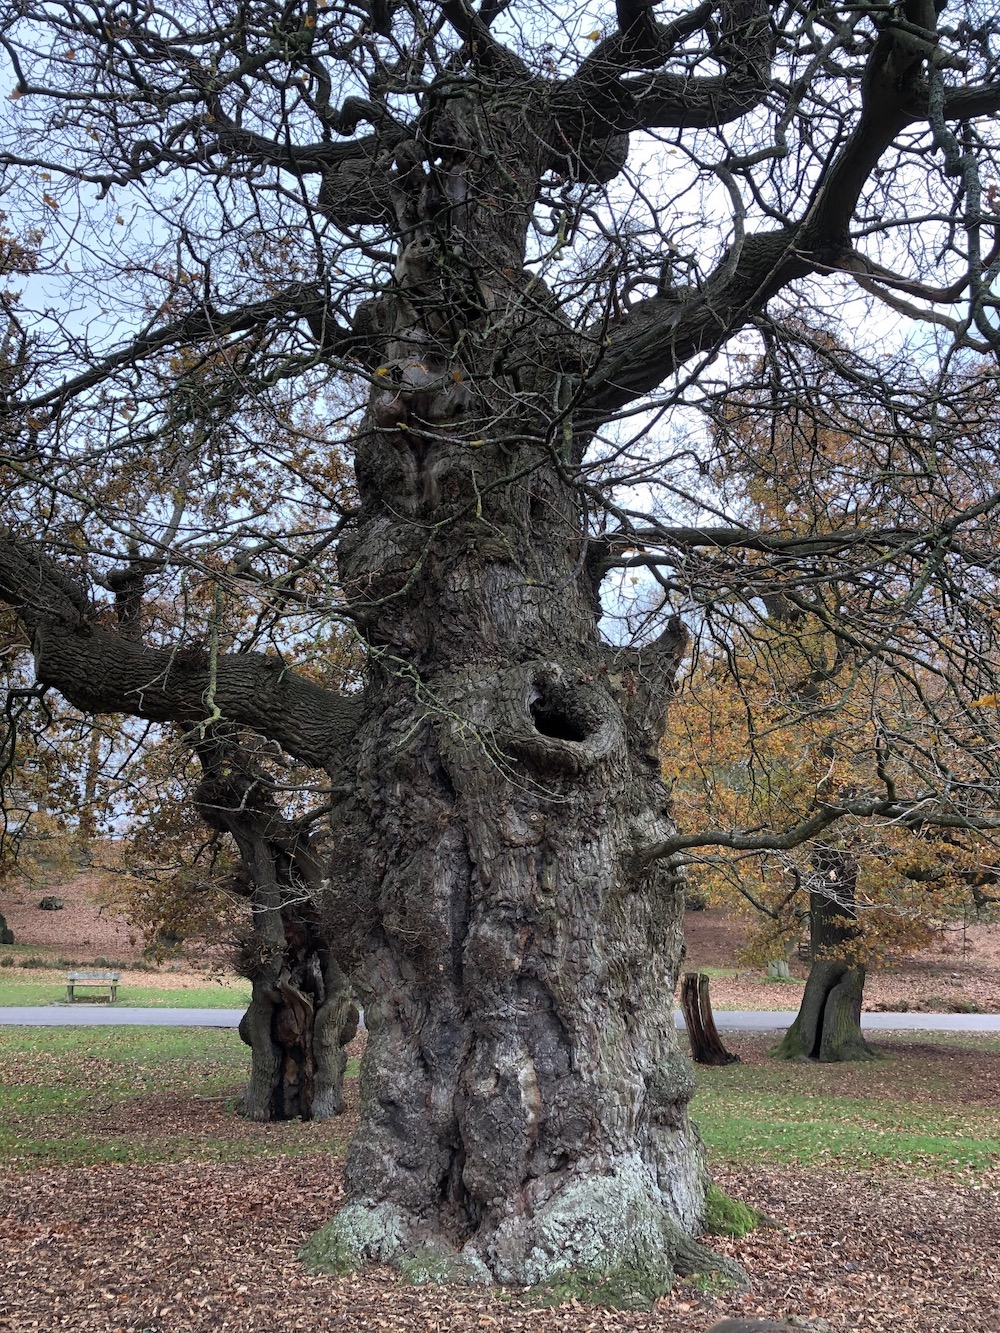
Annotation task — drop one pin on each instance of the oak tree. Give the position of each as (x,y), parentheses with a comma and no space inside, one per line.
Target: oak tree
(788,702)
(494,254)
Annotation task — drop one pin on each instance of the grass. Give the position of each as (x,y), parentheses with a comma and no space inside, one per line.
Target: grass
(14,955)
(85,1096)
(902,1111)
(174,1056)
(80,1096)
(21,985)
(15,993)
(850,1132)
(960,1041)
(729,1217)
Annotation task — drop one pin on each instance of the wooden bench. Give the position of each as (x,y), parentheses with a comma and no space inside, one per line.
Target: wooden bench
(108,979)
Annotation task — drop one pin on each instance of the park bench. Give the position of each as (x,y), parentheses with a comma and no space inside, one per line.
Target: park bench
(77,979)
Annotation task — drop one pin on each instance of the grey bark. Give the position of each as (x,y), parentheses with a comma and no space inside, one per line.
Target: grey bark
(524,1100)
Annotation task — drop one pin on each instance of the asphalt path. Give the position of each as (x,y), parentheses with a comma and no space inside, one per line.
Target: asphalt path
(116,1015)
(732,1020)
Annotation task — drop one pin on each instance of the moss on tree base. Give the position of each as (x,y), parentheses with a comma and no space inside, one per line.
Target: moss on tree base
(725,1216)
(623,1257)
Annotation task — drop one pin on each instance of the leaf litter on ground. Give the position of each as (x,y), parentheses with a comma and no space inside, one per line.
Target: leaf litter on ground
(153,1246)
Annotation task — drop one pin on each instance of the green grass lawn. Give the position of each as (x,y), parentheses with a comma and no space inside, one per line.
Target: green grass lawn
(81,1096)
(909,1109)
(77,1096)
(17,993)
(56,1083)
(988,1042)
(36,975)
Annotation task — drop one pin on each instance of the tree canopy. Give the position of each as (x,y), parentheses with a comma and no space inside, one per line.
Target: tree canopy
(782,707)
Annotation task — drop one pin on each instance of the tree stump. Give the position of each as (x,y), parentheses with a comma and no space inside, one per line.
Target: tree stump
(706,1044)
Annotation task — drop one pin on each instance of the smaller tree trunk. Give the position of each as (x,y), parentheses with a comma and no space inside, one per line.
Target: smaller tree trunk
(302,1010)
(696,1005)
(86,830)
(828,1024)
(301,1016)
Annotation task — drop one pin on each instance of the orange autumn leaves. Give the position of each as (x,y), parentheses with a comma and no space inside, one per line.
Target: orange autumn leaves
(747,752)
(865,672)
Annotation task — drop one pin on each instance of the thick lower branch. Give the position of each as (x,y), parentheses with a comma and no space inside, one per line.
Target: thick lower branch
(103,672)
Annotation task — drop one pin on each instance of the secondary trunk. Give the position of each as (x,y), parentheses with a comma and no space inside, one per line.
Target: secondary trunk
(302,1011)
(301,1016)
(524,1100)
(828,1024)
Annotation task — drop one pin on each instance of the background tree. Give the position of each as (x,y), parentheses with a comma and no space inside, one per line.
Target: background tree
(218,843)
(527,238)
(749,751)
(784,706)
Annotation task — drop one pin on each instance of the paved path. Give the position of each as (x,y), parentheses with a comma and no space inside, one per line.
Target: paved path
(775,1021)
(732,1020)
(90,1015)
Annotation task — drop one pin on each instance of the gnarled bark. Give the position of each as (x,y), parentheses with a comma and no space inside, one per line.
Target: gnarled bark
(301,1016)
(302,1011)
(524,1101)
(100,671)
(523,1097)
(499,889)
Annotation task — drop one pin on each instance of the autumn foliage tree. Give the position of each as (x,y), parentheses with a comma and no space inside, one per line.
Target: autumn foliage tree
(500,258)
(749,752)
(787,706)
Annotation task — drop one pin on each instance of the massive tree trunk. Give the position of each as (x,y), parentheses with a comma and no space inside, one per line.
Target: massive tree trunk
(828,1024)
(524,1101)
